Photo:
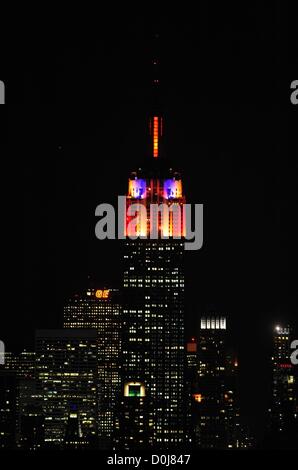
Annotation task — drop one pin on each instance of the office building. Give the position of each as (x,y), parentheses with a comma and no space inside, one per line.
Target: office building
(101,309)
(213,376)
(283,409)
(66,374)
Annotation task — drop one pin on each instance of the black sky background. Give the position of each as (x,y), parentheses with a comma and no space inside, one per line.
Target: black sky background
(78,102)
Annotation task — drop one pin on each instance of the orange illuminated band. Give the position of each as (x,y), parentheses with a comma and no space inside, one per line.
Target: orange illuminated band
(155,137)
(102,294)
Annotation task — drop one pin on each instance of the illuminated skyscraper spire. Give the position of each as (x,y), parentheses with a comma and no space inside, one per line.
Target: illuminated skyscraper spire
(156,120)
(156,131)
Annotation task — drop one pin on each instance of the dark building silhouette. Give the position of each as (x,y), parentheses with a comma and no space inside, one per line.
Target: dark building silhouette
(8,397)
(214,412)
(74,438)
(28,416)
(283,413)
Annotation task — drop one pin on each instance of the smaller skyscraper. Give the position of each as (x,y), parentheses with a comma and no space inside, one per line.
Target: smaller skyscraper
(192,365)
(101,309)
(283,410)
(66,369)
(28,417)
(212,371)
(8,396)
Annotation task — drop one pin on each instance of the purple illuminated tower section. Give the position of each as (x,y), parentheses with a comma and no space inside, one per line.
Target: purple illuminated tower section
(159,185)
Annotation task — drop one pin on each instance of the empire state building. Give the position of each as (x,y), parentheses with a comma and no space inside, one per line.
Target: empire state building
(153,398)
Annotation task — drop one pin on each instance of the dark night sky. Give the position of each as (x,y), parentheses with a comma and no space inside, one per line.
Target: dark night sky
(78,125)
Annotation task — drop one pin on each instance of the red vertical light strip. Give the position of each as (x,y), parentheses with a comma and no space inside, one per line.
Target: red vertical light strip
(155,137)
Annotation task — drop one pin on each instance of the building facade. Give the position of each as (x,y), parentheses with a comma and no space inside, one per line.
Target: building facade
(283,410)
(134,427)
(66,374)
(213,376)
(28,415)
(100,309)
(8,412)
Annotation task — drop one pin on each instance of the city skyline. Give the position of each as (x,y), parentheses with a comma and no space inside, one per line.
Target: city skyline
(116,368)
(40,387)
(231,146)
